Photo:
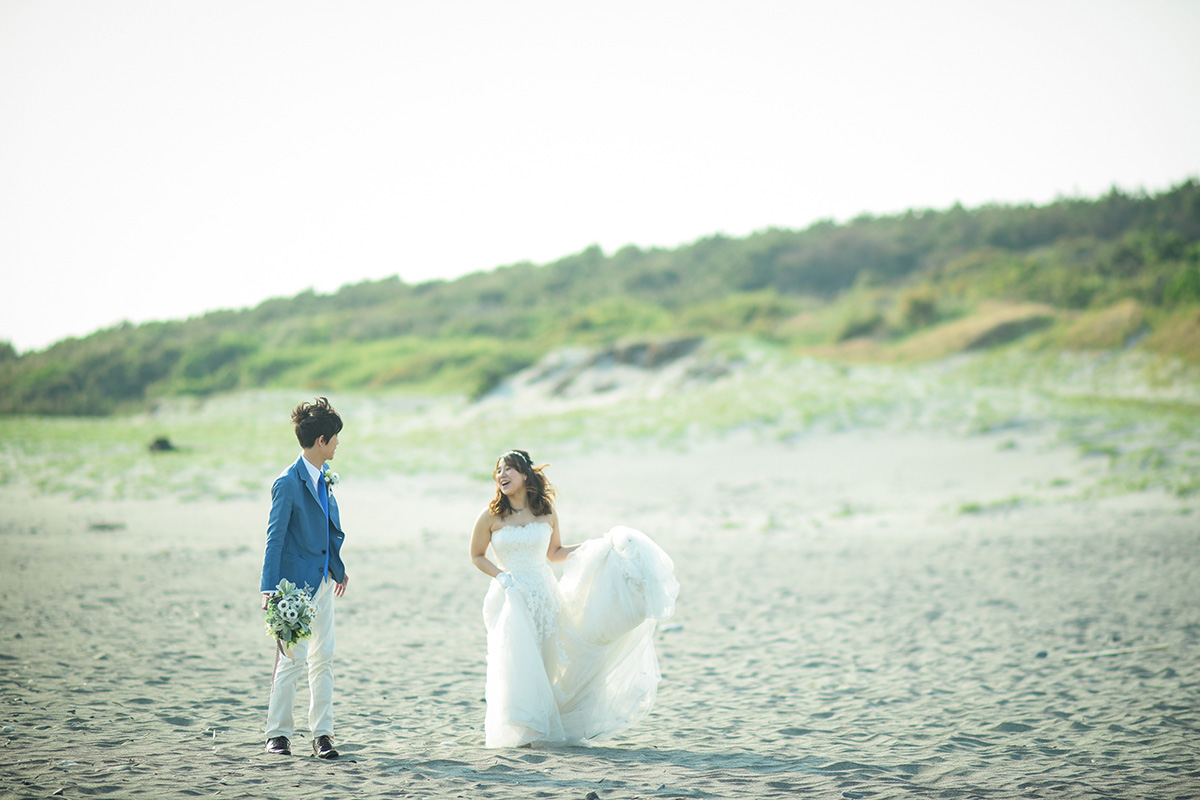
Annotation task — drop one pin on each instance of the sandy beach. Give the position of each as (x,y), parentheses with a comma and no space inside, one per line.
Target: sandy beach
(843,630)
(895,583)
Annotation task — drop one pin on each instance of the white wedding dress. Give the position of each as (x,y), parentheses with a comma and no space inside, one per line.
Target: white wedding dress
(572,661)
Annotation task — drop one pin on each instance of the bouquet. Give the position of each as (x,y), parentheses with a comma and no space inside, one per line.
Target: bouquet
(290,614)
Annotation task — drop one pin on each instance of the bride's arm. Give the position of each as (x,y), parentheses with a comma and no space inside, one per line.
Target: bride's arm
(556,551)
(481,537)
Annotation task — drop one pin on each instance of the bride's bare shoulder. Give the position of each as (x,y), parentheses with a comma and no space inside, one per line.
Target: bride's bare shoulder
(487,520)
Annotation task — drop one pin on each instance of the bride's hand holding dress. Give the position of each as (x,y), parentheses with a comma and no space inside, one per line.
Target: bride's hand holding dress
(568,661)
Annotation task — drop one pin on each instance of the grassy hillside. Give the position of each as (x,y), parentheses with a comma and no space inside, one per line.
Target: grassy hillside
(1116,271)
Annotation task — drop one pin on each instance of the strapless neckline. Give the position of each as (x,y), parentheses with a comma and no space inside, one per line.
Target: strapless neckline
(519,527)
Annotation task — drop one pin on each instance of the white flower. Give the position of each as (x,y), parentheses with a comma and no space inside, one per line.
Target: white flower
(331,478)
(291,612)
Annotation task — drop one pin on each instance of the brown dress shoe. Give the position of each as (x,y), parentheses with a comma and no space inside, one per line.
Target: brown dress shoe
(323,747)
(280,745)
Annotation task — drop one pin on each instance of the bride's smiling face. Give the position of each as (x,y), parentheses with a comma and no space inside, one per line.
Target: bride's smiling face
(510,479)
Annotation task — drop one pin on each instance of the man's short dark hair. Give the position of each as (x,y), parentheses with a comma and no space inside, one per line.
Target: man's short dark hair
(314,420)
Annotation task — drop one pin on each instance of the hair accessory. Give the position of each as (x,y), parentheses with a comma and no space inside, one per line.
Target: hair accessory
(519,455)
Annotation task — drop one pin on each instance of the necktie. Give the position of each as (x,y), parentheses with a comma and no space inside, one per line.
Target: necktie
(323,494)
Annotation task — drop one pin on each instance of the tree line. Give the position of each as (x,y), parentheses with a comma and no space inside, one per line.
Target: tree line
(911,270)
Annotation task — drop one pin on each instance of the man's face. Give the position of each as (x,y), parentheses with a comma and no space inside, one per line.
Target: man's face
(326,448)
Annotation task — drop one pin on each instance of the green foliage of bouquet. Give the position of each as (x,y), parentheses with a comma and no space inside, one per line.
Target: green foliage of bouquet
(290,614)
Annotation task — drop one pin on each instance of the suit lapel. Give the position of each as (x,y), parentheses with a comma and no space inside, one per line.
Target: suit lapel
(333,513)
(306,479)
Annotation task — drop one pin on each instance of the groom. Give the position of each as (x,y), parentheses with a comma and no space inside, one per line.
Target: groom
(304,540)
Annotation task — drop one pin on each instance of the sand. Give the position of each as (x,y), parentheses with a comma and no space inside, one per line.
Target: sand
(862,614)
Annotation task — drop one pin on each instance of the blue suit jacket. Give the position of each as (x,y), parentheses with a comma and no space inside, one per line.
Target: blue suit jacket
(298,535)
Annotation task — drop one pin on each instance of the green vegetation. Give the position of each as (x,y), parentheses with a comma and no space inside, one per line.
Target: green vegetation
(1113,272)
(1005,504)
(1129,439)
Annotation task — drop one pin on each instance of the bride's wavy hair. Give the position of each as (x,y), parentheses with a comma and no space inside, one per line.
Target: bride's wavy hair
(539,493)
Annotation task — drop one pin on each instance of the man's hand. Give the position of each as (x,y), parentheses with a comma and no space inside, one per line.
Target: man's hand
(340,588)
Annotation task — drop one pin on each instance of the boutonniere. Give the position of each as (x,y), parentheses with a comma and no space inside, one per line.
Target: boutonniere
(331,479)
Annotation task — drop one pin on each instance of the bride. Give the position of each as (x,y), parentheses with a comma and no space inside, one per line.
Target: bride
(571,660)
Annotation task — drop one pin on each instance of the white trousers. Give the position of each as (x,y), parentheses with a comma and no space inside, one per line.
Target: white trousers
(317,652)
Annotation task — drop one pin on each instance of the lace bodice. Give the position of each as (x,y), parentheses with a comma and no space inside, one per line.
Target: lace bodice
(522,548)
(521,551)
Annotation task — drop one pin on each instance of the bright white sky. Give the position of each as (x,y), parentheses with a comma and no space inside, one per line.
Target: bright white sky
(161,159)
